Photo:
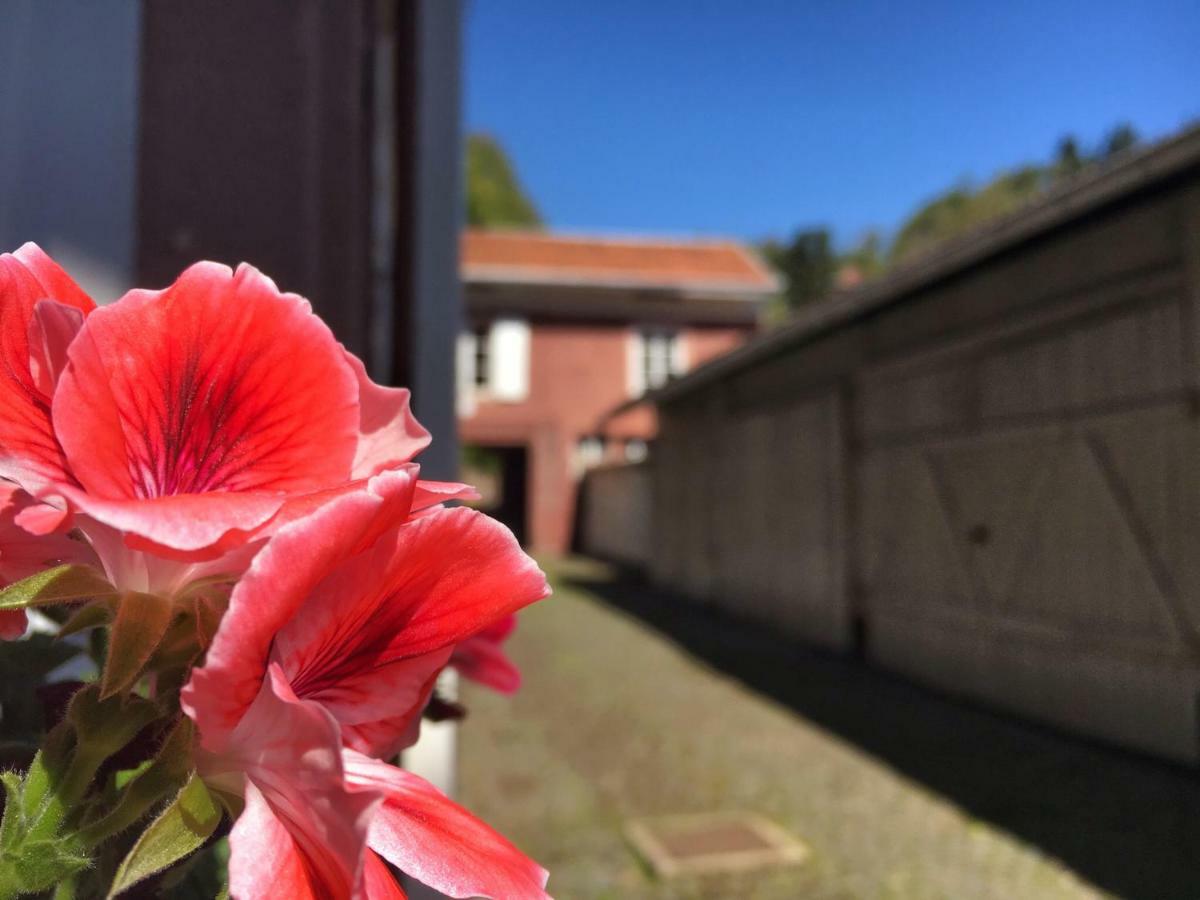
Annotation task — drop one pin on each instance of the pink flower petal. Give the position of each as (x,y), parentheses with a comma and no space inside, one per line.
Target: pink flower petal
(422,588)
(278,582)
(387,737)
(381,689)
(389,434)
(264,859)
(54,282)
(428,584)
(218,385)
(377,880)
(500,630)
(29,451)
(428,836)
(42,518)
(162,571)
(303,830)
(361,629)
(483,659)
(396,485)
(22,553)
(12,624)
(51,330)
(187,527)
(432,493)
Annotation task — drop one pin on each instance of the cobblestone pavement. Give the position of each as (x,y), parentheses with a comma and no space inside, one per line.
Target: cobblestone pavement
(634,707)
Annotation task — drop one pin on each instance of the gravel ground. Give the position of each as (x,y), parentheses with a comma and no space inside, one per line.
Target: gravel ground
(631,708)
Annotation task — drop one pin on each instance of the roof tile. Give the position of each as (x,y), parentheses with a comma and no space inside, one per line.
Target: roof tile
(516,256)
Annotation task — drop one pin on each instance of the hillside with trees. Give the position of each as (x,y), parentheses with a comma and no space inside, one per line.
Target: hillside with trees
(812,268)
(495,197)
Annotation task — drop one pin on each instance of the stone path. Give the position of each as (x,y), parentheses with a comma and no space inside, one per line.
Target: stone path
(635,705)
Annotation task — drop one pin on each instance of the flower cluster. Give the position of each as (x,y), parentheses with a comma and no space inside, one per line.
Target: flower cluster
(207,483)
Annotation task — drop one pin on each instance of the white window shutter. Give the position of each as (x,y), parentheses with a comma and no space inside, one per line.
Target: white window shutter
(509,379)
(679,354)
(464,374)
(635,364)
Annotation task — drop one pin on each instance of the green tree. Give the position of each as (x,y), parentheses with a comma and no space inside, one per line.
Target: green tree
(963,208)
(866,257)
(495,198)
(1120,139)
(1069,159)
(807,264)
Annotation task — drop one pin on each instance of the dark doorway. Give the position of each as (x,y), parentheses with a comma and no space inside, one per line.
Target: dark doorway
(501,474)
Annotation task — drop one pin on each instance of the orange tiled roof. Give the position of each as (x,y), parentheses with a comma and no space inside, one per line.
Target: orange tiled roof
(533,257)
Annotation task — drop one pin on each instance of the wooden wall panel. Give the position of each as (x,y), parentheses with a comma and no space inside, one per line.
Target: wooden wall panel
(618,519)
(1136,354)
(1028,517)
(753,514)
(997,475)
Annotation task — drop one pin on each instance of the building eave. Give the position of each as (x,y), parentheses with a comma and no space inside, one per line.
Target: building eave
(508,275)
(612,303)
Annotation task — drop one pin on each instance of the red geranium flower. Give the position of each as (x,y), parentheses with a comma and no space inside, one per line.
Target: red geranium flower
(189,417)
(349,614)
(186,422)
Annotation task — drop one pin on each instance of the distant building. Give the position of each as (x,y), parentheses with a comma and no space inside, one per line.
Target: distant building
(562,330)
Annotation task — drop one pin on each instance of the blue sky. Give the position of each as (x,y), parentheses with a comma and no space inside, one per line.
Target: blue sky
(754,117)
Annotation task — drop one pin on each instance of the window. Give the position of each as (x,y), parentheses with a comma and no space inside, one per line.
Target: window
(509,351)
(492,364)
(481,350)
(656,358)
(589,453)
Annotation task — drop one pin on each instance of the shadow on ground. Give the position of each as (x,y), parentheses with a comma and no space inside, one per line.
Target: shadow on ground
(1128,824)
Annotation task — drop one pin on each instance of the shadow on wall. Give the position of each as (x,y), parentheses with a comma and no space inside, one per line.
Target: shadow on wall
(1129,824)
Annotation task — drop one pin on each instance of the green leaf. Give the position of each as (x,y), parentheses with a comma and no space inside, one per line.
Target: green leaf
(136,632)
(202,876)
(91,616)
(46,771)
(42,864)
(56,781)
(53,790)
(103,725)
(145,790)
(10,825)
(61,584)
(182,829)
(124,776)
(208,612)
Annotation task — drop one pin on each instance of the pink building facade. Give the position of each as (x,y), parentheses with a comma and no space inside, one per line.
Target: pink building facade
(562,331)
